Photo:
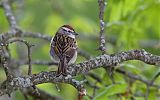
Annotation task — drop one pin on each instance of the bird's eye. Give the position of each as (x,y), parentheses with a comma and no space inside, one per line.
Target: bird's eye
(64,30)
(69,31)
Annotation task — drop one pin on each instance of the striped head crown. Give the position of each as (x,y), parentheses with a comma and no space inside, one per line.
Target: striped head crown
(68,30)
(68,26)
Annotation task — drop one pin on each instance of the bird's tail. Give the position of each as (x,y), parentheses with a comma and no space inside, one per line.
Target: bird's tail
(62,67)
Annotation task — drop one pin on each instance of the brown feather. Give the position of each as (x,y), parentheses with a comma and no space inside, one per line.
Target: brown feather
(65,48)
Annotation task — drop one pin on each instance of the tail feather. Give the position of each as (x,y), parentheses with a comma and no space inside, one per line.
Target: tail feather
(62,67)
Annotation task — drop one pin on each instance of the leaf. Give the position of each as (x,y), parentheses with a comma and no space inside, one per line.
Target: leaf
(111,90)
(132,68)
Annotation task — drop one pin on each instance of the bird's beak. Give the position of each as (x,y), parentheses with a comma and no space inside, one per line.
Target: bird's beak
(75,33)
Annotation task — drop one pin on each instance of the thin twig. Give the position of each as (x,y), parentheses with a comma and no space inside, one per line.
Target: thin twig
(37,62)
(36,35)
(4,58)
(82,92)
(154,78)
(147,92)
(29,57)
(92,85)
(29,51)
(102,5)
(9,13)
(94,92)
(94,76)
(136,77)
(110,72)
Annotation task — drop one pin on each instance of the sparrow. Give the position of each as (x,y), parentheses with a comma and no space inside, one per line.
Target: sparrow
(63,48)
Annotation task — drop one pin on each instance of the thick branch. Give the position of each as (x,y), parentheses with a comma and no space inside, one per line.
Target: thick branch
(43,77)
(114,59)
(107,60)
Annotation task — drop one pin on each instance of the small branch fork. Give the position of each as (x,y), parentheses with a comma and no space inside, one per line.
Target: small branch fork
(29,56)
(29,51)
(102,5)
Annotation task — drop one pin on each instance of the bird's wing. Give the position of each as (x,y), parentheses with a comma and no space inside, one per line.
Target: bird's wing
(53,49)
(71,49)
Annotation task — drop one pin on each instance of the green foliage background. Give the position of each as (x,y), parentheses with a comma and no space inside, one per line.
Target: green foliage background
(130,24)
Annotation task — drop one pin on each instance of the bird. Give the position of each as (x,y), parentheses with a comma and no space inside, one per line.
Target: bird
(63,48)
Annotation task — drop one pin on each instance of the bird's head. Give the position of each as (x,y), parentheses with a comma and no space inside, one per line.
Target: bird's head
(67,30)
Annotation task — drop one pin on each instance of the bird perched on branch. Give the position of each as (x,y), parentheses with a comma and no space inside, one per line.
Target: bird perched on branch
(64,48)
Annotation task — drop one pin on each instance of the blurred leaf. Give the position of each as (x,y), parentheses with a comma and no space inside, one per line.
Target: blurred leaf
(116,11)
(4,25)
(53,22)
(48,87)
(132,68)
(110,90)
(19,95)
(152,94)
(85,25)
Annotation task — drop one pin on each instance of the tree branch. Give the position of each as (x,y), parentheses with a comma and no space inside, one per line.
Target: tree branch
(29,51)
(110,60)
(102,25)
(4,58)
(44,77)
(114,59)
(29,56)
(38,62)
(20,33)
(9,13)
